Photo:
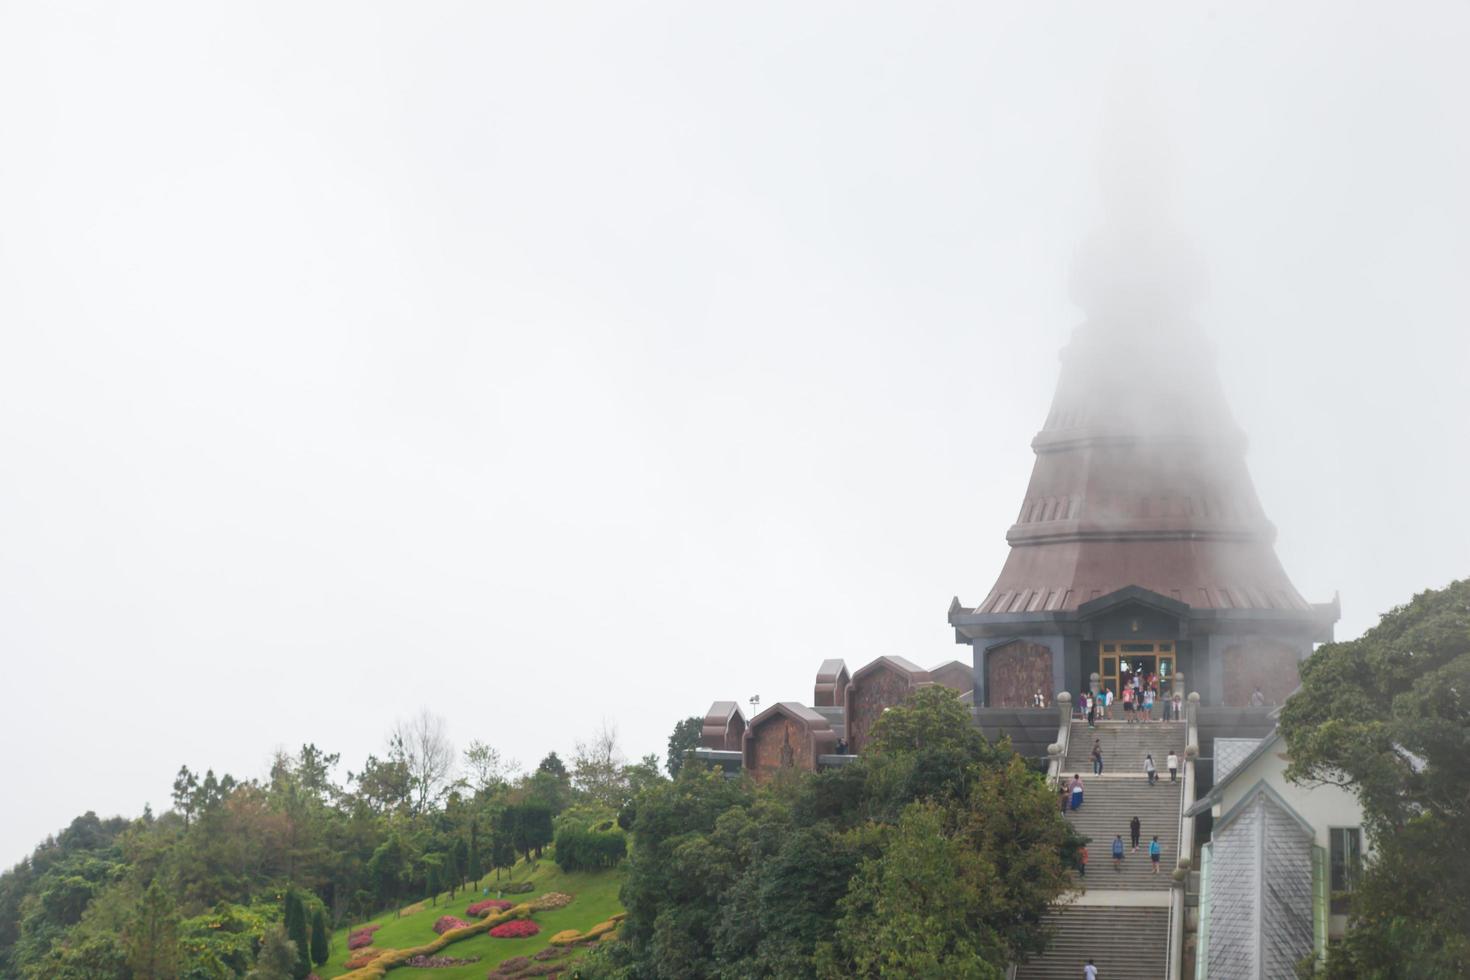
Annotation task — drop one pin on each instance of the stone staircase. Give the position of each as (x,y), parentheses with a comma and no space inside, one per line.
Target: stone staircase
(1124,943)
(1108,803)
(1121,920)
(1123,746)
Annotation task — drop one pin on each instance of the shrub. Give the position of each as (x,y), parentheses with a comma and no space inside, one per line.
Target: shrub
(515,929)
(551,900)
(359,938)
(566,937)
(488,905)
(447,922)
(589,850)
(517,887)
(552,952)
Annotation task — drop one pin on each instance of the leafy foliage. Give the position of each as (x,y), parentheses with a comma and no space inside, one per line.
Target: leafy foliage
(589,850)
(195,892)
(1388,715)
(684,738)
(935,854)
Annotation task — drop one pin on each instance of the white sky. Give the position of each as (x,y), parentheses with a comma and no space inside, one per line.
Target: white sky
(543,363)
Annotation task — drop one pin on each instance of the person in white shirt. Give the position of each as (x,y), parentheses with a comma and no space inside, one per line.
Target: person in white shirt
(1089,972)
(1173,763)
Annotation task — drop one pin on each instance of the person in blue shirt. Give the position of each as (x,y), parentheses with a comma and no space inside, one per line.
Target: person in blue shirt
(1118,853)
(1154,851)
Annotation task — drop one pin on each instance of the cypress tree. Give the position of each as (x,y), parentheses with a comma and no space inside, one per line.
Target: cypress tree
(320,948)
(297,932)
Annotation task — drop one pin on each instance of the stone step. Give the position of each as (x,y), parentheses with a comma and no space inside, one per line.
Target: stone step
(1124,943)
(1108,805)
(1123,745)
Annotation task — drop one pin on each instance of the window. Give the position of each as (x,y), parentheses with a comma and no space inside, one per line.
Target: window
(1346,852)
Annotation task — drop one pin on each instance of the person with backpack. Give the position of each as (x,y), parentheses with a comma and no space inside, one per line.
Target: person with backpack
(1097,760)
(1150,769)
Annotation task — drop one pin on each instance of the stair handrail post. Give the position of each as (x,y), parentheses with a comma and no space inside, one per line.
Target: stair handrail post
(1057,751)
(1185,857)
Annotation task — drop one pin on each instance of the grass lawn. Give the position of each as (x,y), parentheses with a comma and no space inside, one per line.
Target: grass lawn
(595,899)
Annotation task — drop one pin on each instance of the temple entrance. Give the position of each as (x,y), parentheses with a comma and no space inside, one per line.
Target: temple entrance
(1118,663)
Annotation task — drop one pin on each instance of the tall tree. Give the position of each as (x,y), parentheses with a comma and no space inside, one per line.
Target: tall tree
(422,745)
(597,767)
(682,740)
(152,937)
(299,932)
(1386,715)
(185,785)
(488,769)
(321,948)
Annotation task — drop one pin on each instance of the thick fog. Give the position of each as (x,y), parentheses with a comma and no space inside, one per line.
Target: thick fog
(543,364)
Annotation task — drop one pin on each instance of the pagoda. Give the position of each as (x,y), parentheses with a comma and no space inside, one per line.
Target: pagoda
(1140,546)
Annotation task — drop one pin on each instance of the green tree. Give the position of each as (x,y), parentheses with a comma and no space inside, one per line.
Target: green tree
(919,909)
(152,937)
(297,930)
(683,739)
(1386,716)
(321,948)
(277,957)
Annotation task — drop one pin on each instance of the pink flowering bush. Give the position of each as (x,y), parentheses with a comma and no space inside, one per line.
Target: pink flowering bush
(447,922)
(515,929)
(359,938)
(490,904)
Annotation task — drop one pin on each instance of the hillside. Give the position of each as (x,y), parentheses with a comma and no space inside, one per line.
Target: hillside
(595,900)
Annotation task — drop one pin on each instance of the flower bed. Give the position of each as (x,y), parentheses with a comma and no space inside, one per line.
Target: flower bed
(434,962)
(362,959)
(515,929)
(359,938)
(489,905)
(447,922)
(552,900)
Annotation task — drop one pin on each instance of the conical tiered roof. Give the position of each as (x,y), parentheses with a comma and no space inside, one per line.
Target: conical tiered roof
(1140,476)
(1140,480)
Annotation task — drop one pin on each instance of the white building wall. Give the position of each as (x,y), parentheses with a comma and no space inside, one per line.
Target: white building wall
(1323,807)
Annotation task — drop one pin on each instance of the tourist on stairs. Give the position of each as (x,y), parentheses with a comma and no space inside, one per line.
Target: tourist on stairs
(1154,852)
(1173,763)
(1089,972)
(1118,853)
(1082,862)
(1133,830)
(1076,791)
(1150,769)
(1097,763)
(1127,704)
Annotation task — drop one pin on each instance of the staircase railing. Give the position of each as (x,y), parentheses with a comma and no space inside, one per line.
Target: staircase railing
(1186,841)
(1057,751)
